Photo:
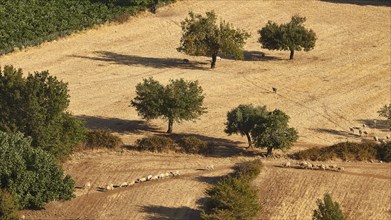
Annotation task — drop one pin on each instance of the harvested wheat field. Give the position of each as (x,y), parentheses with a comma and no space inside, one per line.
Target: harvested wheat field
(340,84)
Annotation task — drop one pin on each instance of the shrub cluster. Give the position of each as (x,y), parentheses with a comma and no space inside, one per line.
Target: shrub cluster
(8,206)
(193,145)
(189,145)
(31,174)
(347,151)
(36,106)
(249,170)
(233,197)
(28,23)
(156,144)
(102,138)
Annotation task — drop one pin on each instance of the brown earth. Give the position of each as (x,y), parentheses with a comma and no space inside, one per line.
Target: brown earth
(340,84)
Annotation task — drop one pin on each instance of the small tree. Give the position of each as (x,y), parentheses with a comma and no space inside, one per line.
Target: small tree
(291,36)
(179,101)
(385,112)
(327,210)
(36,107)
(203,37)
(242,120)
(274,133)
(31,173)
(8,206)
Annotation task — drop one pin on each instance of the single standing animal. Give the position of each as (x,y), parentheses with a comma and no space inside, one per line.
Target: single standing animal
(274,89)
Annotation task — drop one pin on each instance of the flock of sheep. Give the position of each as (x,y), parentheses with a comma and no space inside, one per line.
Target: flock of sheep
(311,166)
(111,186)
(363,132)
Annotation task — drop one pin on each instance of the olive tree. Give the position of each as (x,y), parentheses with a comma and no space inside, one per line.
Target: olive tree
(292,36)
(31,174)
(274,133)
(36,106)
(242,120)
(327,210)
(203,37)
(178,101)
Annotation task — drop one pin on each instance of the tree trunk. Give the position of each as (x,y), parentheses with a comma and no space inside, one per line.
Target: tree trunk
(292,53)
(249,140)
(269,152)
(214,57)
(170,124)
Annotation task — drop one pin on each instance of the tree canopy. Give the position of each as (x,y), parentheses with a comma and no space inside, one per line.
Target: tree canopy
(203,37)
(292,36)
(328,210)
(242,120)
(178,101)
(274,133)
(31,173)
(36,106)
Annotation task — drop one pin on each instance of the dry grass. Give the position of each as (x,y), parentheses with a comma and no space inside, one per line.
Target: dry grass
(340,84)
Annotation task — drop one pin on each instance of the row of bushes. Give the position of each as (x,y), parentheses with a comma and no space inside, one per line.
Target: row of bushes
(28,23)
(189,145)
(233,198)
(347,151)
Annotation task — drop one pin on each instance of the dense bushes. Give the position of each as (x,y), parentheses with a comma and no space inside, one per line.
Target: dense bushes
(347,151)
(31,173)
(8,206)
(190,145)
(193,145)
(36,106)
(28,23)
(233,198)
(328,209)
(156,144)
(102,138)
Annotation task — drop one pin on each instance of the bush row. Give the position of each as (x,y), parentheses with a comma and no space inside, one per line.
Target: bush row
(347,151)
(190,145)
(233,198)
(28,23)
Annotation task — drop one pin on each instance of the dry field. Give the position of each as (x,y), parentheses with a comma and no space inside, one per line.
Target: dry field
(340,84)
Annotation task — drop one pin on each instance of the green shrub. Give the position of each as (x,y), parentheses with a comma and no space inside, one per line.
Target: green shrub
(344,151)
(36,106)
(232,198)
(249,170)
(384,152)
(31,173)
(193,145)
(28,23)
(102,139)
(156,144)
(8,206)
(328,210)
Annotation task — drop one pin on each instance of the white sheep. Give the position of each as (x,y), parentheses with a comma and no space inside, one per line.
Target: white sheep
(218,58)
(124,184)
(388,137)
(341,169)
(210,167)
(364,125)
(309,166)
(287,164)
(109,187)
(161,176)
(376,138)
(140,180)
(174,173)
(323,167)
(87,185)
(155,177)
(149,177)
(131,183)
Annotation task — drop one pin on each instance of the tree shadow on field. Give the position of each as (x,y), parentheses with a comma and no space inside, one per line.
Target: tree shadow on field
(258,56)
(161,212)
(376,124)
(118,125)
(334,132)
(133,60)
(209,179)
(362,2)
(221,147)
